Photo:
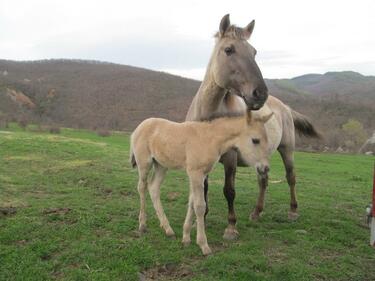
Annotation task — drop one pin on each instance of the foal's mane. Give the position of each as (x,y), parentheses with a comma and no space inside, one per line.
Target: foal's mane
(218,115)
(232,32)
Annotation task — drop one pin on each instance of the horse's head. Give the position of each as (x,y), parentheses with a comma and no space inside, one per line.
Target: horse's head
(233,64)
(253,143)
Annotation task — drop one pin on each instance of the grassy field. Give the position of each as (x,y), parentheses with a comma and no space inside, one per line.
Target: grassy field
(76,207)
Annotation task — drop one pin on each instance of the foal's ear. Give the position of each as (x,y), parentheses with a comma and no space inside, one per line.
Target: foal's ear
(224,24)
(265,118)
(248,30)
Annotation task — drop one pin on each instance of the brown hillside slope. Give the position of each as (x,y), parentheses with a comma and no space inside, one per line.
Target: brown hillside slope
(90,94)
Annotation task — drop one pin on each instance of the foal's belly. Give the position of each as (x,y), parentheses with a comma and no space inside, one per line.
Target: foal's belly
(170,161)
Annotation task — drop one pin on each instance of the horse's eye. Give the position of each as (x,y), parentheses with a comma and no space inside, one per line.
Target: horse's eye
(256,141)
(229,50)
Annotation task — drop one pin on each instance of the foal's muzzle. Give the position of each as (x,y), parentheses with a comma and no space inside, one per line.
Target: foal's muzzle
(262,170)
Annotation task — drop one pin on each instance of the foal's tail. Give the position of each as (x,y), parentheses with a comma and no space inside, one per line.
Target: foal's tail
(131,153)
(303,125)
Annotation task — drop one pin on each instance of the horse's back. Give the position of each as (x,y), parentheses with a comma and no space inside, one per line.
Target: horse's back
(283,114)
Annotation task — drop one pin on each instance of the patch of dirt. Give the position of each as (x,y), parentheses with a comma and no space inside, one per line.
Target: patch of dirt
(7,211)
(60,211)
(127,193)
(172,196)
(21,242)
(174,271)
(169,271)
(107,191)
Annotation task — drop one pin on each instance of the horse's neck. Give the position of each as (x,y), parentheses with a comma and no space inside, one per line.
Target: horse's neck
(207,100)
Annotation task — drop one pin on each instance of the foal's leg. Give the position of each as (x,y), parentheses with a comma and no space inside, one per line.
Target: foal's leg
(197,188)
(188,220)
(154,190)
(230,164)
(143,170)
(263,183)
(288,159)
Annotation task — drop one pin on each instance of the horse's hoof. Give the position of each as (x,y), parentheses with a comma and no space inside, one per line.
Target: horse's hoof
(230,233)
(142,229)
(293,216)
(254,216)
(206,251)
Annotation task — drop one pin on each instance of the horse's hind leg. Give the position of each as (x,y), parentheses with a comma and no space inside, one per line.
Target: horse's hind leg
(154,190)
(206,195)
(288,159)
(143,170)
(263,183)
(230,164)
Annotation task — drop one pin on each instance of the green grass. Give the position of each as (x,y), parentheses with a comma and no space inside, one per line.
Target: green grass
(96,237)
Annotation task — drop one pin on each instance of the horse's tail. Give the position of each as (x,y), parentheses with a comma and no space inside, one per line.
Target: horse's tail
(303,125)
(131,153)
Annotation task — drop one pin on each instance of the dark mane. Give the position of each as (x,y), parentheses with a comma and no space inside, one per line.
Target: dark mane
(218,115)
(233,32)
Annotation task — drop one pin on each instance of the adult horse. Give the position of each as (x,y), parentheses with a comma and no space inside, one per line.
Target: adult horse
(232,83)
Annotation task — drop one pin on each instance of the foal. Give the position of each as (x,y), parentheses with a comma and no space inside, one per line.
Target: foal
(195,147)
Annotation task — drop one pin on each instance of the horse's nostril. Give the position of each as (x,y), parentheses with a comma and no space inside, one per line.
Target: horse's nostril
(255,93)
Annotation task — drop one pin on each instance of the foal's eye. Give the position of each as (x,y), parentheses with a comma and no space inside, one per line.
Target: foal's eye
(256,141)
(229,50)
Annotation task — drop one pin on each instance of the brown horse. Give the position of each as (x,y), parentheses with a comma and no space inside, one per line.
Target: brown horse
(195,147)
(233,82)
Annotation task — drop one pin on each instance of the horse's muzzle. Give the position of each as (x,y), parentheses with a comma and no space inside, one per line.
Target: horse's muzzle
(256,100)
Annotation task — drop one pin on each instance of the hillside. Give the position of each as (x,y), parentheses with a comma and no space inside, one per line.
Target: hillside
(91,94)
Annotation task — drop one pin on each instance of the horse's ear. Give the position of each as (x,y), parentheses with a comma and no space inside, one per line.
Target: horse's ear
(224,24)
(265,118)
(248,116)
(248,30)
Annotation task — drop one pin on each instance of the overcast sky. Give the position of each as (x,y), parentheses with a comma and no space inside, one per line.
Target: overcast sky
(292,37)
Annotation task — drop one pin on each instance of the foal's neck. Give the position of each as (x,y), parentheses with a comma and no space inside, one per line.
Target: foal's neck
(227,130)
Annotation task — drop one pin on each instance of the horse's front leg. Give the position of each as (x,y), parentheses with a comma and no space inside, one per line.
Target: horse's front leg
(230,164)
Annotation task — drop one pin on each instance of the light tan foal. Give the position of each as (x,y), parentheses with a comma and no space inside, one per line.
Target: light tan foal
(195,147)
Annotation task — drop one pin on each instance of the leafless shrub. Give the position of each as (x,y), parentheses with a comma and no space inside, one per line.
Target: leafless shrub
(54,130)
(103,133)
(23,123)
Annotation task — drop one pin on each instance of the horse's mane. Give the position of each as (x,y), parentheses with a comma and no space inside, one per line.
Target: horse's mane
(233,32)
(218,115)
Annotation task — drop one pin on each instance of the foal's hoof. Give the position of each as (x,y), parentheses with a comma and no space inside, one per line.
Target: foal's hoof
(170,234)
(230,233)
(206,251)
(186,243)
(254,216)
(142,229)
(293,216)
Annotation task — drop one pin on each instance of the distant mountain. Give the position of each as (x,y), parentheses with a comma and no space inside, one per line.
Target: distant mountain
(91,94)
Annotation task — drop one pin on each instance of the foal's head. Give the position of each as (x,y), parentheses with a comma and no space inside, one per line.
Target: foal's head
(253,144)
(233,64)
